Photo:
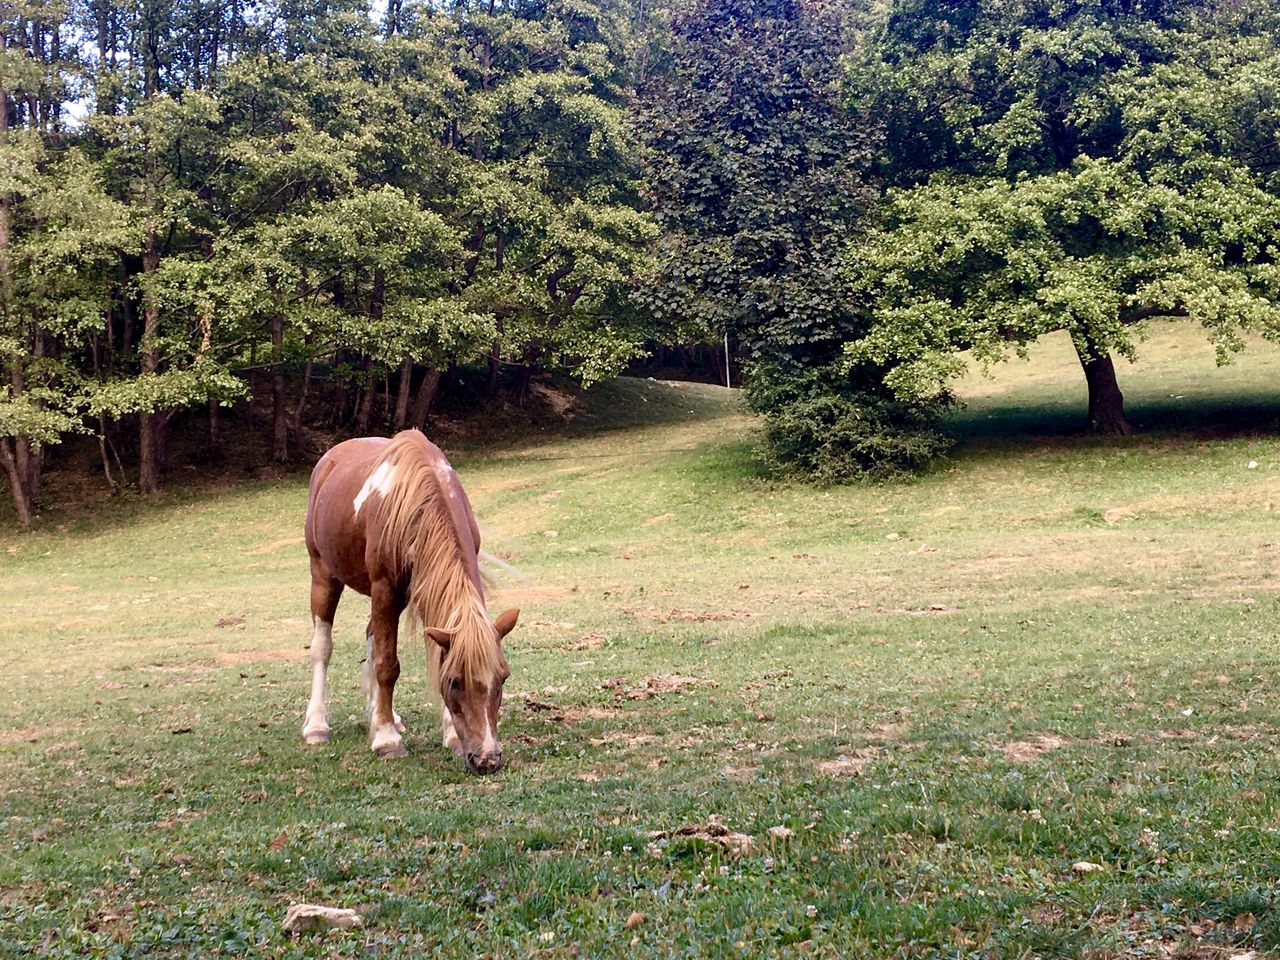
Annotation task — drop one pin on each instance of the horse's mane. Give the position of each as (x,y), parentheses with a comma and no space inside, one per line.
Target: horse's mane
(426,534)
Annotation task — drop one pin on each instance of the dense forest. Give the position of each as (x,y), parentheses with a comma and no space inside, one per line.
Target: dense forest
(346,211)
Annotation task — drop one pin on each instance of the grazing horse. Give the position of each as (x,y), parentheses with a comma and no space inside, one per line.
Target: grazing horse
(390,519)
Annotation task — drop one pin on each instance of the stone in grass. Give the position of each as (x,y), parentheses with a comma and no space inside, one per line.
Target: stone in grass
(302,917)
(1086,866)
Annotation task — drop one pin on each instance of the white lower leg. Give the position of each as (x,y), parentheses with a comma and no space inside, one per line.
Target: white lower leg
(386,740)
(370,687)
(315,729)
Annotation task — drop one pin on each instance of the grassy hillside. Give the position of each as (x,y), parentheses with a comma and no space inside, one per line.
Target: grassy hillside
(927,705)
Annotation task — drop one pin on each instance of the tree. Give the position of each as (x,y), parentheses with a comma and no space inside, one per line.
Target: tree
(760,175)
(548,203)
(1063,168)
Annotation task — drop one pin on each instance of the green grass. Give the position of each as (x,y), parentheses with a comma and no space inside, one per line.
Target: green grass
(1049,650)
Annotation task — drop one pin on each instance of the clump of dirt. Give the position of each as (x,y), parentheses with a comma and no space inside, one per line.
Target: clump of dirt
(654,685)
(559,713)
(737,844)
(1024,751)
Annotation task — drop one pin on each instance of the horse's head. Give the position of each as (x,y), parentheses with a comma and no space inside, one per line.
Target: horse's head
(471,688)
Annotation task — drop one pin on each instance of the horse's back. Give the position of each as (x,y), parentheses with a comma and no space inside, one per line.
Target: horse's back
(333,534)
(347,476)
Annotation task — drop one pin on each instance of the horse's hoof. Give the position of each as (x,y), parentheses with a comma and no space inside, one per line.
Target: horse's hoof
(391,751)
(313,738)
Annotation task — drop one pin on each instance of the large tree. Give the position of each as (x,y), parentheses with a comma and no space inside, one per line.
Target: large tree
(760,175)
(1081,167)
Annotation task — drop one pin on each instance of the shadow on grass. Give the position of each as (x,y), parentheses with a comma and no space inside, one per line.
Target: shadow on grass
(1009,425)
(625,403)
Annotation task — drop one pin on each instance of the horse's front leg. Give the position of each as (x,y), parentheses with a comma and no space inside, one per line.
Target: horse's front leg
(367,682)
(385,670)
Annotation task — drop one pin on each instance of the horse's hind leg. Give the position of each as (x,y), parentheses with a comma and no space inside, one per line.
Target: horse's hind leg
(326,590)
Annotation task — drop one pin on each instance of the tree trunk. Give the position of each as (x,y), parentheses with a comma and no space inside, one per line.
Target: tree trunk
(402,393)
(495,356)
(149,421)
(21,499)
(296,425)
(215,432)
(1106,402)
(422,399)
(364,413)
(279,411)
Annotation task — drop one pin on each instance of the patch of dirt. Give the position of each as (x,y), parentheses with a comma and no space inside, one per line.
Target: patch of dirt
(695,616)
(1024,751)
(592,641)
(29,733)
(561,404)
(33,733)
(656,685)
(559,713)
(737,844)
(932,610)
(227,658)
(276,545)
(849,764)
(625,738)
(660,518)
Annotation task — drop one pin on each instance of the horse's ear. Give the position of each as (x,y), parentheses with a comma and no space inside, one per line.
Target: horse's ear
(506,622)
(442,637)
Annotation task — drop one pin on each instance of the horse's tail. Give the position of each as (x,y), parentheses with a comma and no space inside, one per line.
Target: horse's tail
(488,564)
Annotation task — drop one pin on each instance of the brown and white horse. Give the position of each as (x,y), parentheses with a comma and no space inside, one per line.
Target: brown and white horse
(390,519)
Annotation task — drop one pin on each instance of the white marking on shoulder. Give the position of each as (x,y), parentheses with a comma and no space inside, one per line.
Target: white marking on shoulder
(379,482)
(448,479)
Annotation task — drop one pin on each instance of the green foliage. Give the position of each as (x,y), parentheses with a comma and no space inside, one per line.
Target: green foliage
(1082,168)
(824,432)
(760,177)
(253,188)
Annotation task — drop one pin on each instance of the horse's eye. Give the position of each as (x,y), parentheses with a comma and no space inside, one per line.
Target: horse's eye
(455,685)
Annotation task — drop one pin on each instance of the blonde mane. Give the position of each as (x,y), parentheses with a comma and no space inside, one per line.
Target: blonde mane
(426,536)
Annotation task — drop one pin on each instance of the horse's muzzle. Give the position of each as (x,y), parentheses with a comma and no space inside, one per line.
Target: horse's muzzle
(489,763)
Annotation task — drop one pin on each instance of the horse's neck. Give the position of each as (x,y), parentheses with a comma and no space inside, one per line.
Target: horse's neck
(444,597)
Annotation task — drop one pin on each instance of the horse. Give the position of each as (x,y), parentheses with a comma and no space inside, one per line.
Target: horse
(390,519)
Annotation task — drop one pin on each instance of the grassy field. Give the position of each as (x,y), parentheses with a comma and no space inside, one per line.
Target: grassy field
(1025,706)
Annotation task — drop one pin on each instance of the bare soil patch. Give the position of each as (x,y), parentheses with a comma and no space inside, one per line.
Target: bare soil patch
(1024,751)
(849,764)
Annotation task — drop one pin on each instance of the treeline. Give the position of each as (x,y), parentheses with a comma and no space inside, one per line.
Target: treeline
(336,209)
(198,195)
